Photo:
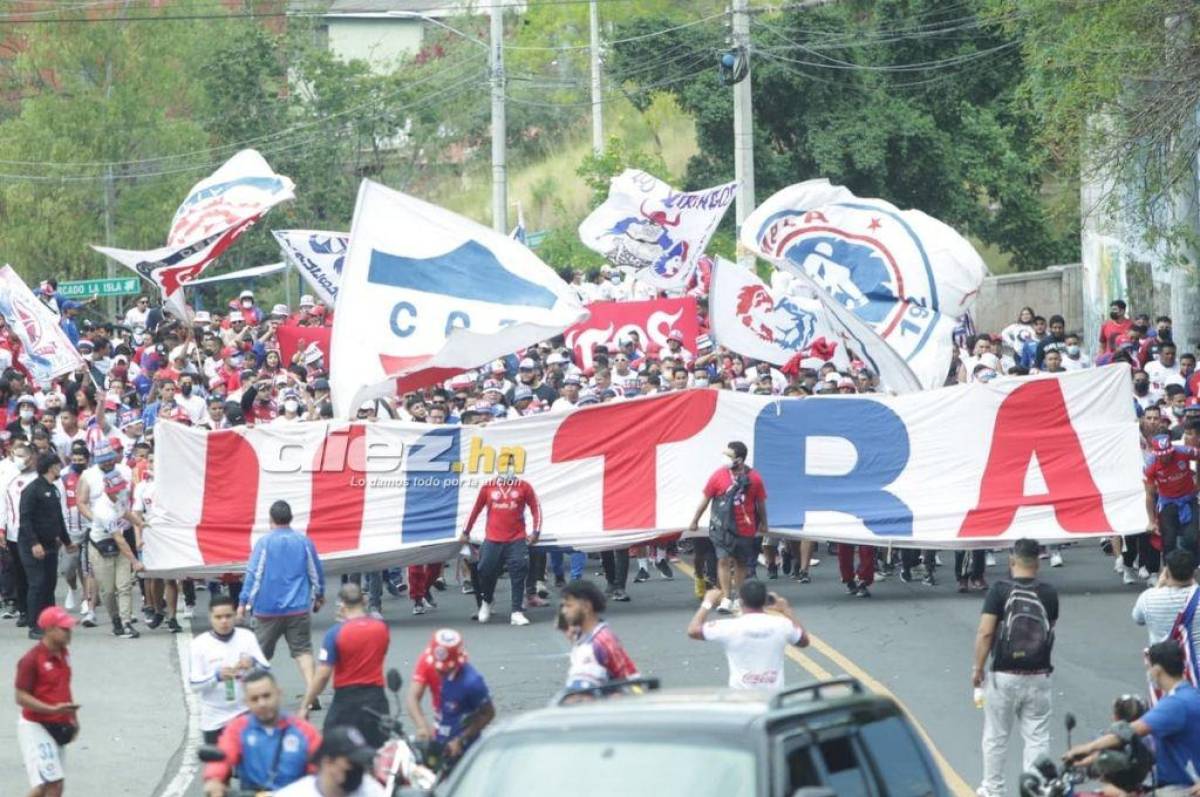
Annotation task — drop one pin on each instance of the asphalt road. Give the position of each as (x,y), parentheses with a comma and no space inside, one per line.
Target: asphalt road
(911,640)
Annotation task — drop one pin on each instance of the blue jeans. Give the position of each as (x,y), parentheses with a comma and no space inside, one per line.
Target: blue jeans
(493,556)
(578,561)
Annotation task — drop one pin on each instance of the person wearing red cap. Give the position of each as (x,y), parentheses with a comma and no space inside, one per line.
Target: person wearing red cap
(462,704)
(48,718)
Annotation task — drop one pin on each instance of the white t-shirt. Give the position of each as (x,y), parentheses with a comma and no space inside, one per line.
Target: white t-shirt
(1161,376)
(207,656)
(754,644)
(136,316)
(562,404)
(307,787)
(12,501)
(62,442)
(112,517)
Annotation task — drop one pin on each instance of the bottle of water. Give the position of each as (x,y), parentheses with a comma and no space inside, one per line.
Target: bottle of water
(979,697)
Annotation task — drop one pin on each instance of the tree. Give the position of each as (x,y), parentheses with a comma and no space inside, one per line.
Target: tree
(1116,88)
(914,101)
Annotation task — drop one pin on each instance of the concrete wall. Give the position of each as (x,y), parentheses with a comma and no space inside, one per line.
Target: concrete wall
(1057,289)
(379,42)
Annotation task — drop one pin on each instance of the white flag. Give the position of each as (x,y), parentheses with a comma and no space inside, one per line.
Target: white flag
(214,213)
(45,349)
(427,294)
(318,256)
(647,225)
(904,273)
(748,319)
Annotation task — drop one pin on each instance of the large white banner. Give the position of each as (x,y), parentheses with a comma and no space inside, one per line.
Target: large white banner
(647,225)
(214,213)
(318,255)
(904,273)
(427,294)
(45,349)
(1054,456)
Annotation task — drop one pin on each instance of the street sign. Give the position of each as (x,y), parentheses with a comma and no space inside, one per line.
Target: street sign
(117,286)
(534,239)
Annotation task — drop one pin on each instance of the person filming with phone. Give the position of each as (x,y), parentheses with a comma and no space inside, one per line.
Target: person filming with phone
(755,641)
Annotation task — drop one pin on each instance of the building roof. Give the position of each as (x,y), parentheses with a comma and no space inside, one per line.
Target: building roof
(429,8)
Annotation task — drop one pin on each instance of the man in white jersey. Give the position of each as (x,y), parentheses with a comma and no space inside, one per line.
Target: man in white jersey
(218,660)
(755,642)
(103,496)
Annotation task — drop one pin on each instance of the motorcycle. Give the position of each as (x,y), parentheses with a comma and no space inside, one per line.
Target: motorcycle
(1050,779)
(400,761)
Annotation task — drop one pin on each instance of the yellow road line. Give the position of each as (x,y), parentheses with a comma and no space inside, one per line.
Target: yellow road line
(958,786)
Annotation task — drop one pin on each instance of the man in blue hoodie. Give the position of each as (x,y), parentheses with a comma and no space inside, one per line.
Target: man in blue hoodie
(284,580)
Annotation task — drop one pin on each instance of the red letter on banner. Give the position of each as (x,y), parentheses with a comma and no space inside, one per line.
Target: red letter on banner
(1033,422)
(230,499)
(627,436)
(338,491)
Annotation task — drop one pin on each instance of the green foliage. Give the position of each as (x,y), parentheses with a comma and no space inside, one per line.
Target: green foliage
(914,101)
(597,171)
(1116,87)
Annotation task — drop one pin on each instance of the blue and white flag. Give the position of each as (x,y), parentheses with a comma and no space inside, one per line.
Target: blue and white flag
(45,349)
(427,294)
(318,256)
(647,225)
(905,274)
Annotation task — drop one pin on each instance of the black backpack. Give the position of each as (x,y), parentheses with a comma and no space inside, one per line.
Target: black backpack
(1025,636)
(722,526)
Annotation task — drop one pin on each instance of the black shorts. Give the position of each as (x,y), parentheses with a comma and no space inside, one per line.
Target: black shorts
(743,550)
(348,708)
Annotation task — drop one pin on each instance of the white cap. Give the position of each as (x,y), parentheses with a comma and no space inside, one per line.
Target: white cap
(202,317)
(527,363)
(236,315)
(246,294)
(307,300)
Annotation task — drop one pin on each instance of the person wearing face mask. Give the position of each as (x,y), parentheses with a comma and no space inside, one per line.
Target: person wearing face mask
(1171,494)
(251,312)
(43,530)
(1116,326)
(344,761)
(103,496)
(291,409)
(742,511)
(1142,394)
(17,474)
(26,419)
(506,542)
(1074,359)
(190,399)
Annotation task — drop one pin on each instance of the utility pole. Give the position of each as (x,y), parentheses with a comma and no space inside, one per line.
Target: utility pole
(597,89)
(743,128)
(499,124)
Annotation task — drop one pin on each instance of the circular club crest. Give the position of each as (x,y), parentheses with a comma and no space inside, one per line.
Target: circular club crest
(855,253)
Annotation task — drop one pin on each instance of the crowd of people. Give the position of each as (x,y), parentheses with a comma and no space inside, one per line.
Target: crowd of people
(77,485)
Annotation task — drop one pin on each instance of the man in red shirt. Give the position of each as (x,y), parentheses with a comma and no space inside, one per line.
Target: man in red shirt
(43,691)
(1171,494)
(505,542)
(1117,325)
(352,653)
(745,489)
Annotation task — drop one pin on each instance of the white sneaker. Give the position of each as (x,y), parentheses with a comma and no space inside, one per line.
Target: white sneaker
(725,607)
(1056,559)
(518,618)
(737,606)
(989,559)
(1118,564)
(188,612)
(71,601)
(85,606)
(419,607)
(485,612)
(1128,576)
(1143,572)
(813,562)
